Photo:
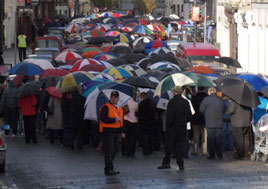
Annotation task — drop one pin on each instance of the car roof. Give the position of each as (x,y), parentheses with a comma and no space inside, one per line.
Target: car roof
(47,49)
(199,49)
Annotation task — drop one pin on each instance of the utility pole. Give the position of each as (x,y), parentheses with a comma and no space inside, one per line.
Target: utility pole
(2,10)
(195,25)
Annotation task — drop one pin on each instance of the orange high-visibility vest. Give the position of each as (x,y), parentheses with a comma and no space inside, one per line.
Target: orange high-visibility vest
(112,113)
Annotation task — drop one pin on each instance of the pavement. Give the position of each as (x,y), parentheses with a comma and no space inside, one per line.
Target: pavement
(11,56)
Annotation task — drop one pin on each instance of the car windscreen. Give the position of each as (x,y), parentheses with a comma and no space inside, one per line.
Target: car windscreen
(48,43)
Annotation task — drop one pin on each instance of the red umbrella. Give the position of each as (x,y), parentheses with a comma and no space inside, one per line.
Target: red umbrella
(95,68)
(54,92)
(73,61)
(18,80)
(144,22)
(54,72)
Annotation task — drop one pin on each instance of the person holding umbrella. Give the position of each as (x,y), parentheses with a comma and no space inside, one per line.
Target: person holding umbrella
(241,117)
(178,114)
(111,124)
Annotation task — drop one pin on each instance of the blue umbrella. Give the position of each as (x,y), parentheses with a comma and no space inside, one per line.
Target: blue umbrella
(28,69)
(256,81)
(92,85)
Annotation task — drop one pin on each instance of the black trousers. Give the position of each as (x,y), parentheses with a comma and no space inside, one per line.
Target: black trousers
(147,141)
(215,142)
(11,116)
(129,143)
(175,139)
(29,128)
(22,54)
(110,142)
(241,140)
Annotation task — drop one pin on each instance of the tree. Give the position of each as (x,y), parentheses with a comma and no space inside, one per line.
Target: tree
(109,4)
(146,6)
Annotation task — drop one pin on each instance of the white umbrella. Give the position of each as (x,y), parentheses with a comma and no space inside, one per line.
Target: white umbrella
(44,64)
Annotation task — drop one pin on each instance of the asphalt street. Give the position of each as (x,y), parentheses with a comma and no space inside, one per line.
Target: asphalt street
(44,165)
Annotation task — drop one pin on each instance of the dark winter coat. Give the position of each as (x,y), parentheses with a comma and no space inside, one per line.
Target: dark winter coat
(178,114)
(78,110)
(198,117)
(66,104)
(241,116)
(213,108)
(10,97)
(146,114)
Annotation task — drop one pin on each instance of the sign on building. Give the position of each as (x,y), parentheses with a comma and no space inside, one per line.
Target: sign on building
(195,13)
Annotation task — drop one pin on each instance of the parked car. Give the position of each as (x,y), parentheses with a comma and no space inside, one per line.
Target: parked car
(57,31)
(47,42)
(202,54)
(46,57)
(47,51)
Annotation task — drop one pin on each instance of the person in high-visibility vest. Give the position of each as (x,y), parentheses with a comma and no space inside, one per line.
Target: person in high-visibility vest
(22,45)
(111,125)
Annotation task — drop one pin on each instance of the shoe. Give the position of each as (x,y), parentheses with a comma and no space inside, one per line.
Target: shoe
(164,167)
(181,168)
(211,157)
(111,172)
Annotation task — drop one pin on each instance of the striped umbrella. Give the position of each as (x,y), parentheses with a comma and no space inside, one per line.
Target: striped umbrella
(123,37)
(161,50)
(44,64)
(140,42)
(91,53)
(54,72)
(112,33)
(118,73)
(162,65)
(102,75)
(134,69)
(71,80)
(104,56)
(65,56)
(28,69)
(96,33)
(141,29)
(91,49)
(156,44)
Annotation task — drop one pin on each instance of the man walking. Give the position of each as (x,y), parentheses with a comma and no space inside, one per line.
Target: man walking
(22,45)
(111,124)
(178,114)
(213,108)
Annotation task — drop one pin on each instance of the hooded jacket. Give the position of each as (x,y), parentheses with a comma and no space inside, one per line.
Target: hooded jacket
(10,97)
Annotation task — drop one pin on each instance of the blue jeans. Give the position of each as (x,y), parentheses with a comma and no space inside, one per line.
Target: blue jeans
(227,137)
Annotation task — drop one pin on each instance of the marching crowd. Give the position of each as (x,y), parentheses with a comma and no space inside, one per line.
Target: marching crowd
(205,119)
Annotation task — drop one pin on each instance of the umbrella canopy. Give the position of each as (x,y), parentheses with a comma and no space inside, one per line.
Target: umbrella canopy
(201,70)
(156,44)
(54,72)
(90,53)
(44,64)
(54,92)
(29,88)
(28,69)
(132,58)
(123,37)
(103,76)
(96,68)
(65,56)
(140,82)
(229,61)
(264,91)
(161,50)
(200,80)
(112,33)
(161,65)
(118,73)
(100,40)
(89,87)
(134,69)
(239,91)
(71,80)
(177,79)
(256,81)
(104,56)
(142,30)
(120,50)
(96,33)
(141,42)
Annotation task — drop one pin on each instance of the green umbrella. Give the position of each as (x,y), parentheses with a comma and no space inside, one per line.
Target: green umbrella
(200,80)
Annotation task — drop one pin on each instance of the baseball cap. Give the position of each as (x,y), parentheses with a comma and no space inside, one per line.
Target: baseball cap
(114,94)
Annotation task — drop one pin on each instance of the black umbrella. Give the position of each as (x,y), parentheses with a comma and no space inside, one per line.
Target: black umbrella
(164,57)
(117,62)
(120,50)
(239,91)
(140,82)
(29,88)
(184,63)
(99,40)
(264,91)
(133,57)
(130,20)
(229,61)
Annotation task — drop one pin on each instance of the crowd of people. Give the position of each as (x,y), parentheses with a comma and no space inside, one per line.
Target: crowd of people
(217,125)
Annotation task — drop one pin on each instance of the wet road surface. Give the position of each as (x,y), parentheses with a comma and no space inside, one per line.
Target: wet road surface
(49,166)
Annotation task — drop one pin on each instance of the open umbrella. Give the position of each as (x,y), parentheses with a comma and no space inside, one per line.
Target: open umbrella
(238,90)
(28,69)
(132,58)
(71,80)
(96,68)
(229,61)
(161,50)
(103,76)
(89,87)
(65,56)
(120,50)
(161,65)
(201,70)
(104,56)
(142,30)
(264,91)
(123,37)
(177,79)
(140,82)
(118,73)
(54,92)
(141,42)
(156,44)
(256,81)
(44,64)
(134,69)
(29,88)
(91,53)
(54,72)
